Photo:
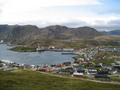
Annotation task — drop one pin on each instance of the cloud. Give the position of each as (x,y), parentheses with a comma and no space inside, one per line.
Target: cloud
(110,11)
(107,25)
(114,22)
(45,3)
(74,23)
(63,22)
(29,5)
(106,28)
(71,13)
(49,3)
(0,11)
(3,2)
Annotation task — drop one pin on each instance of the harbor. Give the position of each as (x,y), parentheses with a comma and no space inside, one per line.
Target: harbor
(34,58)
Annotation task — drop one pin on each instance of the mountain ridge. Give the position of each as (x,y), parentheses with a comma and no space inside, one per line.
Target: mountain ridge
(11,33)
(112,32)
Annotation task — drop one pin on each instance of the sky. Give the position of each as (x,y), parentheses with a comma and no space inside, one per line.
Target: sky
(103,15)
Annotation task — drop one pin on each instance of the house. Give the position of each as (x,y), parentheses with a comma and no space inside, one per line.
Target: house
(92,72)
(20,67)
(76,66)
(1,68)
(81,59)
(51,47)
(75,74)
(90,64)
(42,70)
(66,63)
(117,61)
(1,64)
(52,65)
(58,65)
(81,71)
(118,71)
(8,69)
(57,68)
(68,49)
(116,66)
(76,62)
(65,71)
(101,76)
(28,67)
(115,70)
(97,65)
(70,68)
(104,65)
(83,62)
(47,69)
(103,71)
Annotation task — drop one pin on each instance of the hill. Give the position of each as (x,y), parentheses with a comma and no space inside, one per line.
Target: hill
(113,32)
(113,40)
(31,80)
(30,32)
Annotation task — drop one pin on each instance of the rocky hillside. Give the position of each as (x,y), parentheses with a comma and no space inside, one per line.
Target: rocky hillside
(29,32)
(3,30)
(113,40)
(113,32)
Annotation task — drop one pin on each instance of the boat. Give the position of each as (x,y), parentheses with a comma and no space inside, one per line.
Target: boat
(39,48)
(1,41)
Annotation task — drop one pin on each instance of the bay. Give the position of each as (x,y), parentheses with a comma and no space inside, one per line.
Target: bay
(33,58)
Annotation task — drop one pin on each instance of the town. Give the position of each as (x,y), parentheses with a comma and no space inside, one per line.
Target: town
(88,64)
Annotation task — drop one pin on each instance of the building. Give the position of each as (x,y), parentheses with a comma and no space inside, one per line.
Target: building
(101,76)
(75,74)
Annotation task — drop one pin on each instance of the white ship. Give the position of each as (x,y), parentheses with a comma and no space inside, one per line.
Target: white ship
(39,48)
(1,41)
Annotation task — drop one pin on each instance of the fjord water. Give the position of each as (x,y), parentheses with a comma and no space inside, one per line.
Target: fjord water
(33,58)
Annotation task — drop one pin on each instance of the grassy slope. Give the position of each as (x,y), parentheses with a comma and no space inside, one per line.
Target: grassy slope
(107,54)
(30,80)
(23,49)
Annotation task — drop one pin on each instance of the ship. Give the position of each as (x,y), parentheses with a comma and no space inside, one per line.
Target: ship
(39,48)
(1,41)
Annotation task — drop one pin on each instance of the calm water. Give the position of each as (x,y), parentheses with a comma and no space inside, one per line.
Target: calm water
(33,58)
(115,48)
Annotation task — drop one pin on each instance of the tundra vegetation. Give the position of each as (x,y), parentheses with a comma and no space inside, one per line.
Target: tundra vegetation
(31,80)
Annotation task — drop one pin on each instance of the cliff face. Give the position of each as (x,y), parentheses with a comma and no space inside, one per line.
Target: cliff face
(30,32)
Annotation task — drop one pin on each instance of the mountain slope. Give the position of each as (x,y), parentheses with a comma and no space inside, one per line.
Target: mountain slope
(3,30)
(113,32)
(62,32)
(30,32)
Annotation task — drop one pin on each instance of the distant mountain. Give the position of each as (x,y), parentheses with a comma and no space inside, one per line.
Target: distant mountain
(113,32)
(3,30)
(29,32)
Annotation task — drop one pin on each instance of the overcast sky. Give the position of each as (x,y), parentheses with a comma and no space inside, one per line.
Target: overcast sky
(99,14)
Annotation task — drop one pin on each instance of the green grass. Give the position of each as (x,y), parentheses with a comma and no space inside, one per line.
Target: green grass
(107,54)
(80,56)
(31,80)
(23,49)
(115,78)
